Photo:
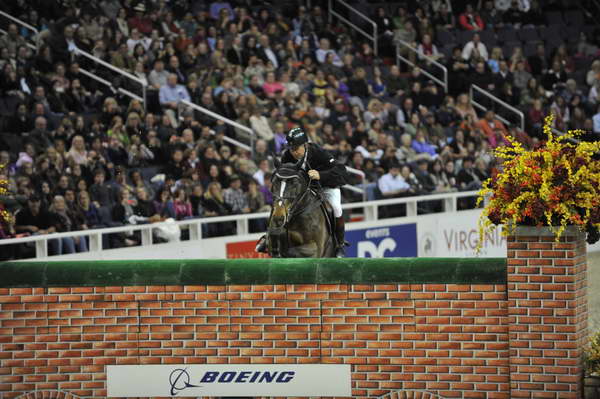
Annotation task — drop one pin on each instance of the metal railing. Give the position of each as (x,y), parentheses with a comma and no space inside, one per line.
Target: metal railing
(109,84)
(371,208)
(82,70)
(121,72)
(24,25)
(362,190)
(332,12)
(400,58)
(479,90)
(229,122)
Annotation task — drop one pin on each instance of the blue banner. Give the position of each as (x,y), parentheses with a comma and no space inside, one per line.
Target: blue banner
(383,242)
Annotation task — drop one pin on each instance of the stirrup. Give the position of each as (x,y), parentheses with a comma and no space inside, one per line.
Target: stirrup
(261,246)
(339,252)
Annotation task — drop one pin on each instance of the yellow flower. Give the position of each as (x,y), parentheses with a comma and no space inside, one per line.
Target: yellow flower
(555,185)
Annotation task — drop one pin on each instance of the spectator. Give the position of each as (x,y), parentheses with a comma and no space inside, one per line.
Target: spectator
(163,204)
(324,50)
(11,40)
(140,21)
(260,124)
(428,50)
(235,197)
(470,20)
(392,184)
(183,205)
(66,221)
(467,179)
(35,220)
(475,48)
(422,146)
(490,124)
(171,96)
(215,205)
(101,193)
(158,77)
(539,61)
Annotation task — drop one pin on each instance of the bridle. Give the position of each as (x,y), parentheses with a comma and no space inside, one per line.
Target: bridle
(295,208)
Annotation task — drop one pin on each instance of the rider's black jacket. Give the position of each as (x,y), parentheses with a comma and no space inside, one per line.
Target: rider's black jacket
(333,174)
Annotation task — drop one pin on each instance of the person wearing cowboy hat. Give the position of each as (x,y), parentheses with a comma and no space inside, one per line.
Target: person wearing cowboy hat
(140,21)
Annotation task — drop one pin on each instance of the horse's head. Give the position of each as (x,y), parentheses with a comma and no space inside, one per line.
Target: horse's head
(290,182)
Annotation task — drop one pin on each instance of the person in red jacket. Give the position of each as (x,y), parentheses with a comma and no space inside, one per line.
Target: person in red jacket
(470,20)
(139,21)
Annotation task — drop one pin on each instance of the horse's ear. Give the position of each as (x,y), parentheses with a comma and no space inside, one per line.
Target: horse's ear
(276,162)
(299,163)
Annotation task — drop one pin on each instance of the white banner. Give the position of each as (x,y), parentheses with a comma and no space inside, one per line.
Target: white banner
(456,235)
(229,380)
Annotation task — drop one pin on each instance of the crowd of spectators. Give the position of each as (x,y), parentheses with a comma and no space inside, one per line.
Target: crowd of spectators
(79,154)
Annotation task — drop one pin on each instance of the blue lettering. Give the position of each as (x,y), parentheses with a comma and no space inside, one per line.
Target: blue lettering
(255,376)
(248,376)
(268,377)
(243,376)
(227,376)
(286,376)
(210,376)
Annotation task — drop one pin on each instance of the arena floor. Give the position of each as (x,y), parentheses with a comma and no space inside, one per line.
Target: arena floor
(594,292)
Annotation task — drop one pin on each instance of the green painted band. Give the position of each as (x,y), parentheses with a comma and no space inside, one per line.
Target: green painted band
(254,271)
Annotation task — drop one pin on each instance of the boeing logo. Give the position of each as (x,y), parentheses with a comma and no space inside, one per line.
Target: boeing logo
(179,379)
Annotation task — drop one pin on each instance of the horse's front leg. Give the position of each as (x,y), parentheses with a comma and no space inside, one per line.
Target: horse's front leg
(301,248)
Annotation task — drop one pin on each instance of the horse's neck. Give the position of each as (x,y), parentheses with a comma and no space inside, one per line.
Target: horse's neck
(307,205)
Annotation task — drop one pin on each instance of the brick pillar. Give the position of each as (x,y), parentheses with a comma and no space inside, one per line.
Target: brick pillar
(547,309)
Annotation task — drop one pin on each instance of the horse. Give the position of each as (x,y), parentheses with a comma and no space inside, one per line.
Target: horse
(300,224)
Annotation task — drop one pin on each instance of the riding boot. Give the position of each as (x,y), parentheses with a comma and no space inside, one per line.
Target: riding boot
(340,230)
(261,246)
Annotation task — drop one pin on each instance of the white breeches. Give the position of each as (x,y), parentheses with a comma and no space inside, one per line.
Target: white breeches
(334,197)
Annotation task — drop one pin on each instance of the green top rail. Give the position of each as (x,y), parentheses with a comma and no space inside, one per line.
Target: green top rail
(253,271)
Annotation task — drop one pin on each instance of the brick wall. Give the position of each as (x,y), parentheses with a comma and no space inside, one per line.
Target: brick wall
(449,339)
(430,328)
(547,313)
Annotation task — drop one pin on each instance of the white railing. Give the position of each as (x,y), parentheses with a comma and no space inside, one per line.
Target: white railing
(520,114)
(372,37)
(109,84)
(362,189)
(113,68)
(371,209)
(23,24)
(400,58)
(229,122)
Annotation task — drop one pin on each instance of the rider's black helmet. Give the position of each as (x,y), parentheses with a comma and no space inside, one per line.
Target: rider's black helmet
(296,137)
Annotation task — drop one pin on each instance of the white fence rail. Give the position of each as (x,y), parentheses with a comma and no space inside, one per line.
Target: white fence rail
(371,213)
(332,13)
(400,58)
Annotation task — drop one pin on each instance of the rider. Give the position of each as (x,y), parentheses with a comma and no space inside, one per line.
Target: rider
(320,166)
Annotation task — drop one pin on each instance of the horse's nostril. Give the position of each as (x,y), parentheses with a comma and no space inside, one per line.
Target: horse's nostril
(277,221)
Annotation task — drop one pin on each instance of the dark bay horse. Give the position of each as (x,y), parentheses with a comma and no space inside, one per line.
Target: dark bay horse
(298,226)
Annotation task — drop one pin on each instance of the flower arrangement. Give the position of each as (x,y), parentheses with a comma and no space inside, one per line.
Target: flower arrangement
(555,185)
(591,356)
(5,216)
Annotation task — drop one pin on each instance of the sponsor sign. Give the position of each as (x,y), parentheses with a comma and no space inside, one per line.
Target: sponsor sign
(457,235)
(383,242)
(243,249)
(229,380)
